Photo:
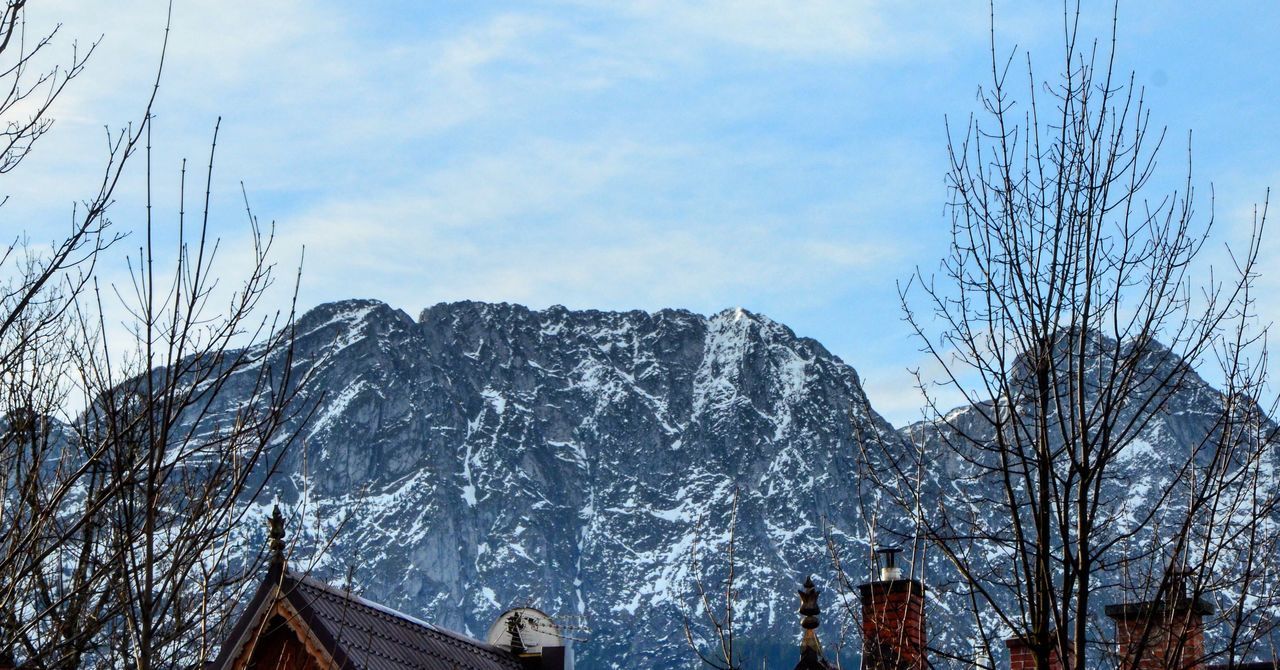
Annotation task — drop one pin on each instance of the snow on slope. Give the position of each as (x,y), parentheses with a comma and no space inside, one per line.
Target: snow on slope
(489,455)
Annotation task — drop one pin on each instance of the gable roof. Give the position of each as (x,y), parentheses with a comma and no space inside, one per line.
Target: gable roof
(358,634)
(812,660)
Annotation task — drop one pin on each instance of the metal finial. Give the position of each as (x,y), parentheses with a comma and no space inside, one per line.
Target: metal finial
(810,647)
(809,602)
(275,535)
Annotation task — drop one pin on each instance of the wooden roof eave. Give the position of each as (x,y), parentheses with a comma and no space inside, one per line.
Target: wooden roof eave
(250,623)
(312,643)
(274,597)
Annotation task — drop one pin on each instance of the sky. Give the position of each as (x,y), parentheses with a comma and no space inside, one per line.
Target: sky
(787,157)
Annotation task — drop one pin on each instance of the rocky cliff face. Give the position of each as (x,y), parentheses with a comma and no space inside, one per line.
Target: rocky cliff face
(488,455)
(1175,439)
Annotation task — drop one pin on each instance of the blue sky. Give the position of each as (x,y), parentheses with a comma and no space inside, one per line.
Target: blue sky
(787,157)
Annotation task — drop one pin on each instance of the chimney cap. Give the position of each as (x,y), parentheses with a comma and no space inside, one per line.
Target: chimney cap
(1176,599)
(890,552)
(889,571)
(1124,611)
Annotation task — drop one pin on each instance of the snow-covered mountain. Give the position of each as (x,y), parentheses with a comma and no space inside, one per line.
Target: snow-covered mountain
(488,455)
(1176,442)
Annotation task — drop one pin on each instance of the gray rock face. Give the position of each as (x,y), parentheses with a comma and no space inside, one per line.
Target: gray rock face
(1171,440)
(488,455)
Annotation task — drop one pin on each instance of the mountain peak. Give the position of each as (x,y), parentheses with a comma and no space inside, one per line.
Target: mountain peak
(496,454)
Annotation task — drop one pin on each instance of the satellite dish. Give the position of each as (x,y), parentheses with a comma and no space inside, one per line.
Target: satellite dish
(524,629)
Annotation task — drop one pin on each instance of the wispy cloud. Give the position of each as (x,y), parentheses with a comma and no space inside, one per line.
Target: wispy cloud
(784,156)
(861,29)
(542,224)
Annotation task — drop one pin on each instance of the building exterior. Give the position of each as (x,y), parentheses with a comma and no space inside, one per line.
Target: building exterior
(1157,635)
(296,622)
(893,632)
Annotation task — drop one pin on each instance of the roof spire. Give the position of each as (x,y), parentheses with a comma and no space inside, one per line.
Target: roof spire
(275,537)
(811,656)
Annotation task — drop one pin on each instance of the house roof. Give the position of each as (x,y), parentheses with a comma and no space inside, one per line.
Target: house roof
(811,660)
(358,634)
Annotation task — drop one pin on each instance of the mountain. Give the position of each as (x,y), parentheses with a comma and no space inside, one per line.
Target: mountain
(489,455)
(1171,445)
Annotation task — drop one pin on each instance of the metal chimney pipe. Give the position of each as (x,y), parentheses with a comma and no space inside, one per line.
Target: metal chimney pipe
(890,571)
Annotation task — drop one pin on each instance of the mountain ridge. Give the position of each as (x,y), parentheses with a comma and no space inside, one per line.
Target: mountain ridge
(488,454)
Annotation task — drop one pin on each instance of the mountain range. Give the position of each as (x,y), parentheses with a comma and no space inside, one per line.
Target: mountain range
(484,456)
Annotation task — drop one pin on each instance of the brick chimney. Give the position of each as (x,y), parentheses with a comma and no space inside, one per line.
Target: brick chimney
(1161,634)
(893,633)
(1021,656)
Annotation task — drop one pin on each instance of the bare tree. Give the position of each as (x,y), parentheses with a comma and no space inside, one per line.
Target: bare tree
(1068,319)
(126,465)
(40,286)
(713,641)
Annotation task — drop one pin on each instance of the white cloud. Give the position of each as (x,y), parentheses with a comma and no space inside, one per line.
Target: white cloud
(539,224)
(320,112)
(598,154)
(863,29)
